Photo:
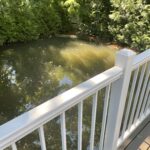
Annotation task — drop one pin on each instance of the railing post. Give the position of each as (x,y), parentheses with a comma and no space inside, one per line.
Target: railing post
(124,60)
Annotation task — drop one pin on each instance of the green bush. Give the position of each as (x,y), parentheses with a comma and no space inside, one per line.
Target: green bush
(130,24)
(48,21)
(17,22)
(23,20)
(94,17)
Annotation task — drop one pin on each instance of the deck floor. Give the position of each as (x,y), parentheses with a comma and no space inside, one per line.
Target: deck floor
(145,145)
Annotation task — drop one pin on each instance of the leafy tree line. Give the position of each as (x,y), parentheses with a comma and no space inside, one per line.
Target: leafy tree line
(126,22)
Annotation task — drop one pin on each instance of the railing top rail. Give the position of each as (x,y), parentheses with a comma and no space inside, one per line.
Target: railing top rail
(141,59)
(30,121)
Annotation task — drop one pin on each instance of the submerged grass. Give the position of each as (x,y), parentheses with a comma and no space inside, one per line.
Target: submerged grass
(89,58)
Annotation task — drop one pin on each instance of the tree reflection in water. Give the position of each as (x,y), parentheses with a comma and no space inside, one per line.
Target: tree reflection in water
(34,72)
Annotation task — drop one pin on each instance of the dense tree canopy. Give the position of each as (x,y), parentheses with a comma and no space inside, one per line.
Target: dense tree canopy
(127,22)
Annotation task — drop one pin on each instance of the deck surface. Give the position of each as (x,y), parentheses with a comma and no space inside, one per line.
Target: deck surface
(145,145)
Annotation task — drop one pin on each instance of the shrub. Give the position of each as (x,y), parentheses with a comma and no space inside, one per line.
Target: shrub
(23,20)
(130,24)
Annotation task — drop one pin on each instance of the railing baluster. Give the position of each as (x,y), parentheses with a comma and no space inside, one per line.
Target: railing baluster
(63,131)
(93,121)
(146,92)
(130,100)
(149,100)
(106,100)
(146,97)
(80,117)
(142,93)
(42,138)
(136,96)
(14,147)
(117,102)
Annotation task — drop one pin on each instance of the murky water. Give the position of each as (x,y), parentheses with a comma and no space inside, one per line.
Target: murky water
(34,72)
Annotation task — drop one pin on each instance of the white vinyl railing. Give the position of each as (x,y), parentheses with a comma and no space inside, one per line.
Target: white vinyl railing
(138,100)
(126,105)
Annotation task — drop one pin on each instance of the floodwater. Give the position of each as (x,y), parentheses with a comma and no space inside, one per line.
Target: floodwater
(33,72)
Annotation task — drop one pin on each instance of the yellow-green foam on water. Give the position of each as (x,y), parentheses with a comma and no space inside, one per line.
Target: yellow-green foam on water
(85,57)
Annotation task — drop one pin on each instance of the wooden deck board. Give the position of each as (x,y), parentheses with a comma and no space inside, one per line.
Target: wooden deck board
(147,140)
(146,144)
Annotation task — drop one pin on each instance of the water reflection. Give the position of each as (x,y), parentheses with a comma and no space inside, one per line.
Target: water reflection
(34,72)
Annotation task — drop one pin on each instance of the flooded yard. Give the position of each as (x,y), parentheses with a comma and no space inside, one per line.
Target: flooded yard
(33,72)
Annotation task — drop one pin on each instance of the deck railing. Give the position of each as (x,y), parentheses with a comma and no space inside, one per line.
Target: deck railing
(126,105)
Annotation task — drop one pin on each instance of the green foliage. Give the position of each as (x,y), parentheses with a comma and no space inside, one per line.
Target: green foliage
(48,20)
(68,12)
(94,16)
(17,22)
(130,23)
(72,6)
(23,20)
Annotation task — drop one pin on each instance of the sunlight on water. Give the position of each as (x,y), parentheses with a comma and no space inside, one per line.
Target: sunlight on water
(89,58)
